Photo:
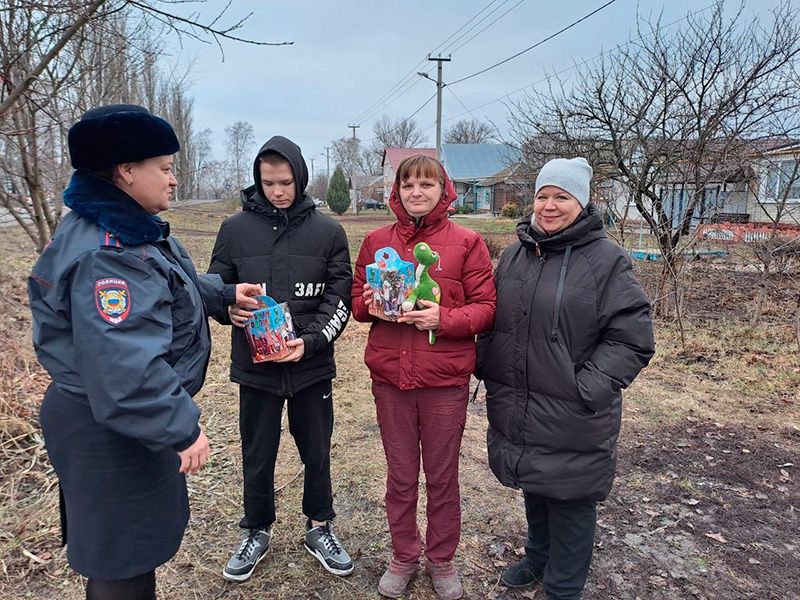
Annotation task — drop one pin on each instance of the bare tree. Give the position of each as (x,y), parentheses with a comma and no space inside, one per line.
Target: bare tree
(217,180)
(668,117)
(355,158)
(76,15)
(203,155)
(469,131)
(93,66)
(179,115)
(352,157)
(318,185)
(239,143)
(403,133)
(370,160)
(60,57)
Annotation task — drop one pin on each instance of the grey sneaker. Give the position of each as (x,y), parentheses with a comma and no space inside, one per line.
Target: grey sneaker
(323,545)
(254,546)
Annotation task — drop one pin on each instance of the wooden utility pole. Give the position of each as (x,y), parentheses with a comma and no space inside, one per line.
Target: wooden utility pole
(439,86)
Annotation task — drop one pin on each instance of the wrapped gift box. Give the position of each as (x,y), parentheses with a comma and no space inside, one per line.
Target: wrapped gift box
(391,279)
(268,330)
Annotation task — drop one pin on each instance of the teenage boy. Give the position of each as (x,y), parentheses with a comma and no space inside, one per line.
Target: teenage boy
(302,257)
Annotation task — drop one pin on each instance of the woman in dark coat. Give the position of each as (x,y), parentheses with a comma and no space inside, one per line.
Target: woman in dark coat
(572,329)
(119,323)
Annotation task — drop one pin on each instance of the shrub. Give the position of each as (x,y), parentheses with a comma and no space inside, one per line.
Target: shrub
(510,210)
(463,209)
(338,196)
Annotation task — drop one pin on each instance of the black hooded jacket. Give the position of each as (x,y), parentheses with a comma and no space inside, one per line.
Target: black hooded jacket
(572,329)
(302,257)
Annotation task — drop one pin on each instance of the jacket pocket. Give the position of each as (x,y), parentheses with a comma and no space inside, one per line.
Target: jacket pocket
(595,389)
(563,424)
(301,321)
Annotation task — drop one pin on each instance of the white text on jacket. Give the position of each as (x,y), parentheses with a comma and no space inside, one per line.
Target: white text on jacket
(335,325)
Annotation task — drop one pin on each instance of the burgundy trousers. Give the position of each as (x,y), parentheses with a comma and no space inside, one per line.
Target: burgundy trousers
(426,422)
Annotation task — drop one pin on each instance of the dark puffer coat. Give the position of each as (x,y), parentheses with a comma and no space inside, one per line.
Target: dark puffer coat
(302,257)
(572,329)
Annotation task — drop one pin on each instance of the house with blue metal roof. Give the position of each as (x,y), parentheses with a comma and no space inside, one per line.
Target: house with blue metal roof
(468,164)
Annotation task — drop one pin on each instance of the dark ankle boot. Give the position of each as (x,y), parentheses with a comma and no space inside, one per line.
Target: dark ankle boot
(522,574)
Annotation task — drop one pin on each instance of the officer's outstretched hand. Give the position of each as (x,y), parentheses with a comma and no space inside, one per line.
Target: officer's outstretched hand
(239,316)
(195,456)
(245,293)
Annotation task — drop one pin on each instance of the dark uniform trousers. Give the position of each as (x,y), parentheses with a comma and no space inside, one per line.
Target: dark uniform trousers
(310,414)
(560,543)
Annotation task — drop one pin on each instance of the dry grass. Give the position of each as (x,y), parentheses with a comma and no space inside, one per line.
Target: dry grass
(728,375)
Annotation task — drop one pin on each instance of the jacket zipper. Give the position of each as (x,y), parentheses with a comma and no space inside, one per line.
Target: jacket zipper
(542,258)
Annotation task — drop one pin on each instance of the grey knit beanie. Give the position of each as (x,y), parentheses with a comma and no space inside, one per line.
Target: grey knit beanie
(570,174)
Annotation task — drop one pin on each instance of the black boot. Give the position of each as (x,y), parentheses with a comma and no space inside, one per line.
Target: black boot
(522,574)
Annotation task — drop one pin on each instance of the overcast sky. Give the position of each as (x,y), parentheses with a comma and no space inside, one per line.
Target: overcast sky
(347,54)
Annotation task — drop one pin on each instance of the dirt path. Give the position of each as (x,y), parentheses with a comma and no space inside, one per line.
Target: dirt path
(700,510)
(705,505)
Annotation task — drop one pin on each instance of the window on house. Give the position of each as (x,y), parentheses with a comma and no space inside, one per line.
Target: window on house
(780,176)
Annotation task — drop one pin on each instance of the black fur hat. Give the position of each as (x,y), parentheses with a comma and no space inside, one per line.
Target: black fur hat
(119,133)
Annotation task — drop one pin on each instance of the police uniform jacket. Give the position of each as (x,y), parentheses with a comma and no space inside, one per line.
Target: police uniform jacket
(119,316)
(119,323)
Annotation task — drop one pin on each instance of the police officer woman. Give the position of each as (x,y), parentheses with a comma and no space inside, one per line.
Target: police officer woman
(119,323)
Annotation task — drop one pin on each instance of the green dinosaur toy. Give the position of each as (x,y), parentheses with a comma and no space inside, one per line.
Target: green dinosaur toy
(426,287)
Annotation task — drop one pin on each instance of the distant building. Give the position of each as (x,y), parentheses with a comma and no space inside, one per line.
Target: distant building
(749,189)
(778,178)
(512,185)
(368,186)
(469,164)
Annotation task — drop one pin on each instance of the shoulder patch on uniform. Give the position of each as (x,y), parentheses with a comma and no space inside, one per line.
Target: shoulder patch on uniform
(112,299)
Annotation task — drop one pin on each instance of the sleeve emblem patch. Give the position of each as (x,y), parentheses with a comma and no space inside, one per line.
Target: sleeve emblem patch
(112,299)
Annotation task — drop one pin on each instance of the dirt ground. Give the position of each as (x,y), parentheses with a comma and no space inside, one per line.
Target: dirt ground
(705,505)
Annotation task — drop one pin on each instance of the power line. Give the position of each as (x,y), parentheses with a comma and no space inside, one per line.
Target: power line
(405,79)
(460,102)
(536,45)
(442,50)
(408,118)
(487,27)
(411,84)
(398,89)
(379,108)
(574,66)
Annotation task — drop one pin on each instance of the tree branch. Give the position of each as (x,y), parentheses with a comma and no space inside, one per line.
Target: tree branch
(23,86)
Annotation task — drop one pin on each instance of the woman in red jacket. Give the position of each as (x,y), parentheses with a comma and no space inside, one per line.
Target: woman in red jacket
(421,390)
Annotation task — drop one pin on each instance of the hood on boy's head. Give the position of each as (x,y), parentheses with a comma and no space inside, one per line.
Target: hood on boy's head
(291,152)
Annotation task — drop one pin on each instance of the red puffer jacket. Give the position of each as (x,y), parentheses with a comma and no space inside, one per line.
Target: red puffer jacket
(399,354)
